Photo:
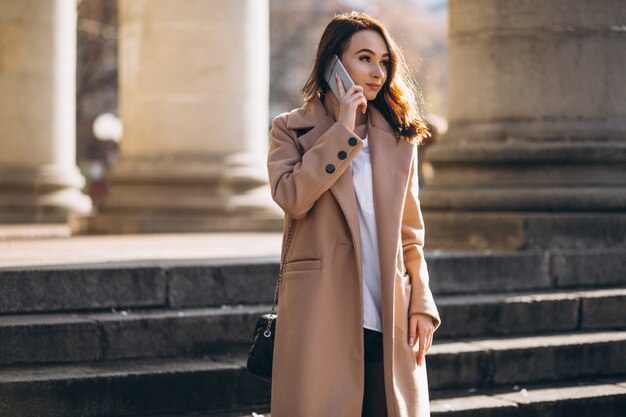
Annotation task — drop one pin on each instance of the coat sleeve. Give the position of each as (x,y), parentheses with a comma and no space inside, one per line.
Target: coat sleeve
(422,300)
(296,180)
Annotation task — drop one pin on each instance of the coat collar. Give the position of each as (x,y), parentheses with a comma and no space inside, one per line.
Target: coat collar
(314,113)
(313,120)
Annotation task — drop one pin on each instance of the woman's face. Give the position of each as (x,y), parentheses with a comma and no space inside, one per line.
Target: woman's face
(366,59)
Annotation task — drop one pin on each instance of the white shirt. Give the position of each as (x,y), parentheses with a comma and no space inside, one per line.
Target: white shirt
(362,180)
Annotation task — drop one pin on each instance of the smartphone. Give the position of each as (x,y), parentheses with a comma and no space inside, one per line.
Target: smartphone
(336,67)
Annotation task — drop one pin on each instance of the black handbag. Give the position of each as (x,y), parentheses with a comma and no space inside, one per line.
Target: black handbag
(261,352)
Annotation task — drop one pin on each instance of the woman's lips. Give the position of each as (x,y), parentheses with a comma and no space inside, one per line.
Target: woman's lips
(374,86)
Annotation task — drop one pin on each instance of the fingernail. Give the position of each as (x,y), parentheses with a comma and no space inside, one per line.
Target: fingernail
(411,341)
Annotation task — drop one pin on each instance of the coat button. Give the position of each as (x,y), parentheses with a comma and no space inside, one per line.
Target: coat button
(352,141)
(330,168)
(342,155)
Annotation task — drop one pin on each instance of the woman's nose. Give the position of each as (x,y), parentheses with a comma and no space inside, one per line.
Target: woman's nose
(378,72)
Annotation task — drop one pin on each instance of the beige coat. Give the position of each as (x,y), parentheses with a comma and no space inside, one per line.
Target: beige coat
(318,353)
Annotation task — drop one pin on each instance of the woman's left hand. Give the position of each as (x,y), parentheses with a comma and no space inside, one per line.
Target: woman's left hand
(421,329)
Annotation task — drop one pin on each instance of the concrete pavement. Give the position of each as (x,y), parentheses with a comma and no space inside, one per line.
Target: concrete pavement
(24,246)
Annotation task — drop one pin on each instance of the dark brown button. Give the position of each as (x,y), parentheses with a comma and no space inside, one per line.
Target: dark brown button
(352,141)
(342,155)
(330,168)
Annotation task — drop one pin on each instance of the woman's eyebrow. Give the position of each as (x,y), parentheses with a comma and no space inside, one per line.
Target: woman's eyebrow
(386,54)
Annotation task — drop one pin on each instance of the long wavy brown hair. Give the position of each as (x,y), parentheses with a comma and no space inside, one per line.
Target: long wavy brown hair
(398,98)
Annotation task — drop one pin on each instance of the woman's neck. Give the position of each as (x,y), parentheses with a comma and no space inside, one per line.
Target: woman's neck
(331,104)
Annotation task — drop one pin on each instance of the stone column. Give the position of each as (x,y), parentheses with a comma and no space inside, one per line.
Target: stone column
(535,153)
(194,81)
(39,180)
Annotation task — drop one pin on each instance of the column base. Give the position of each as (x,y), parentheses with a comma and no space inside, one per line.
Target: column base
(45,194)
(463,230)
(146,222)
(525,194)
(170,196)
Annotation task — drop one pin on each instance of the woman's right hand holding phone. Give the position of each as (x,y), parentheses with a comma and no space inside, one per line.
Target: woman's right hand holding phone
(349,102)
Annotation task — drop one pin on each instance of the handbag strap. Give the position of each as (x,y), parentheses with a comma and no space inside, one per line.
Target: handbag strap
(268,331)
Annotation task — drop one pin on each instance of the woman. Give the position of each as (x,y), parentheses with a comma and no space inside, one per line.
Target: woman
(356,313)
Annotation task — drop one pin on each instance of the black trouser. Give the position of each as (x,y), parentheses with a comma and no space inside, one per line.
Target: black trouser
(374,404)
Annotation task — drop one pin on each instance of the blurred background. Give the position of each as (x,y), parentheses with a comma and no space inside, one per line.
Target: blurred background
(419,27)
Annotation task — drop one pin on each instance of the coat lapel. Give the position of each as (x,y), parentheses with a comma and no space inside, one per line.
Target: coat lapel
(343,190)
(391,163)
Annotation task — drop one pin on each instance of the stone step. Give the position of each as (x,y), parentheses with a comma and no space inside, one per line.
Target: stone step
(136,285)
(583,399)
(146,333)
(531,312)
(480,363)
(529,359)
(130,388)
(251,281)
(258,411)
(123,334)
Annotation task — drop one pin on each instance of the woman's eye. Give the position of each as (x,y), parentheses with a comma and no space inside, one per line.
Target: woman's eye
(385,64)
(365,58)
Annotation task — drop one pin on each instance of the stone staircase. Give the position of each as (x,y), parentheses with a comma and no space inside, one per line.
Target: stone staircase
(524,334)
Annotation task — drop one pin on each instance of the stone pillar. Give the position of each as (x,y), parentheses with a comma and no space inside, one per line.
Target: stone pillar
(194,83)
(535,153)
(39,180)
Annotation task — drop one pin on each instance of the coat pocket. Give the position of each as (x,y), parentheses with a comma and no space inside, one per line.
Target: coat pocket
(303,265)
